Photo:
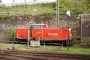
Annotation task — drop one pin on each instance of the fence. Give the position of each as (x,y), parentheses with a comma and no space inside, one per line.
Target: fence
(85,29)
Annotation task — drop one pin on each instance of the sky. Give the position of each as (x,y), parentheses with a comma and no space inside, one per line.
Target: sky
(17,1)
(10,2)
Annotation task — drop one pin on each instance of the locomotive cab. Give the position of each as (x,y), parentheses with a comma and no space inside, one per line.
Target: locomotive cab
(37,26)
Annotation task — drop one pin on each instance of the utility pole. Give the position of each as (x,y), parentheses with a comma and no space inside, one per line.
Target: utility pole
(68,13)
(28,41)
(57,13)
(25,2)
(35,10)
(13,2)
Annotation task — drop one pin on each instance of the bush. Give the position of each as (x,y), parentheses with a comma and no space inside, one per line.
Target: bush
(12,33)
(78,10)
(76,41)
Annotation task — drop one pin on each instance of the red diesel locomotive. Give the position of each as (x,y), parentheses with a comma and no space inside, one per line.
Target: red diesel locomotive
(42,31)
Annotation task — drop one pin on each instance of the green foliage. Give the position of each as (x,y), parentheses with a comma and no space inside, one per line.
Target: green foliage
(77,41)
(77,11)
(75,6)
(12,33)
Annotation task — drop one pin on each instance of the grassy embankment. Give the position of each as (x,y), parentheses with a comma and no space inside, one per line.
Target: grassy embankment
(18,10)
(76,7)
(72,50)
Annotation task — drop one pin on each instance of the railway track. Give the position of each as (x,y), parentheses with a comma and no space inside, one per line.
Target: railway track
(37,55)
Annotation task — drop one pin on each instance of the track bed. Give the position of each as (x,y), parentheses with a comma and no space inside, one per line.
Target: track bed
(39,55)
